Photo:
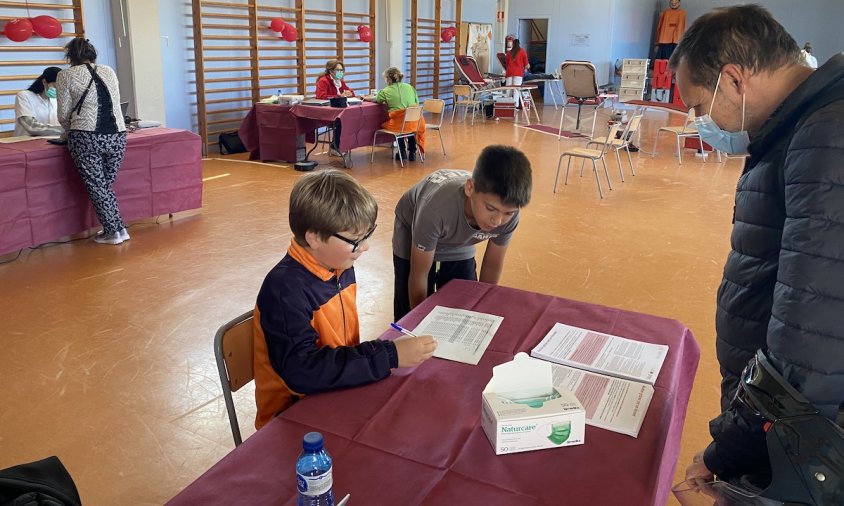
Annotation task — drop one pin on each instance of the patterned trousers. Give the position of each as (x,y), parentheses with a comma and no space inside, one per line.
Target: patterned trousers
(98,158)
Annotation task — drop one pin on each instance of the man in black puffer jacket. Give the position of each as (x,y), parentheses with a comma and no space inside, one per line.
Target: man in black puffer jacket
(783,286)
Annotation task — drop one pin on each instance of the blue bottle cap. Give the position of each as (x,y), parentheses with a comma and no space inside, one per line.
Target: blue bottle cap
(313,442)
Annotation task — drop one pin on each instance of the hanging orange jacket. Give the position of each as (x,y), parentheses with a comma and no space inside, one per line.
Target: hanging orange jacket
(394,123)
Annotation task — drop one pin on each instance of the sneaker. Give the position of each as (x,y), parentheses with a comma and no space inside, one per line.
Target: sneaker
(103,238)
(124,234)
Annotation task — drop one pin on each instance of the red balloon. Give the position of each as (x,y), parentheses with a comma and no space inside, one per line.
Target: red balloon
(289,33)
(47,26)
(447,34)
(277,24)
(365,33)
(18,30)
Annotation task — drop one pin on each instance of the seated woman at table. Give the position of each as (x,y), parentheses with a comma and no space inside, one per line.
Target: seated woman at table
(331,85)
(35,107)
(399,96)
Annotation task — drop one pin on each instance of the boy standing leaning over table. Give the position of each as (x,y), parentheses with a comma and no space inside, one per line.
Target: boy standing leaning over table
(306,335)
(441,218)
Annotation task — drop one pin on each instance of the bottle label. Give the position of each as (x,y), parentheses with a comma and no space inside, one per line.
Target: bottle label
(314,485)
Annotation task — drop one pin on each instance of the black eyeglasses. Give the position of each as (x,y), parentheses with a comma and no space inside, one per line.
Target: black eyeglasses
(357,243)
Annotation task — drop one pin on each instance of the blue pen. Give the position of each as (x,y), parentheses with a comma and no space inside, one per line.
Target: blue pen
(402,330)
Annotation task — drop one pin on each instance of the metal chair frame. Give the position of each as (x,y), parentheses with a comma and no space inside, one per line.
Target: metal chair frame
(233,352)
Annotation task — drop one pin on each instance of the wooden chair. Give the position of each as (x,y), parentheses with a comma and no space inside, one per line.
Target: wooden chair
(683,132)
(233,351)
(588,154)
(464,97)
(622,143)
(411,115)
(435,106)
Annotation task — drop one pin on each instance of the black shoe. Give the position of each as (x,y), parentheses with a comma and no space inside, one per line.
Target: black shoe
(632,148)
(412,156)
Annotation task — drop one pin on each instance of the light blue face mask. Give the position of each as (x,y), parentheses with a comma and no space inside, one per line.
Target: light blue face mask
(338,74)
(733,143)
(51,93)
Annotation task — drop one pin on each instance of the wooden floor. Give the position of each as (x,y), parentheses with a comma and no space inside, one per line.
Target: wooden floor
(107,355)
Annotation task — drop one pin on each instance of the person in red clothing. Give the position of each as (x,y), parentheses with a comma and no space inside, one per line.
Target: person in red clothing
(331,85)
(517,64)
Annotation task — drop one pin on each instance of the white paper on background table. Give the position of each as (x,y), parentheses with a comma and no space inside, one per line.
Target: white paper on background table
(24,138)
(461,335)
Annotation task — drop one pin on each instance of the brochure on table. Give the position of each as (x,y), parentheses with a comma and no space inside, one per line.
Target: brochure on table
(610,375)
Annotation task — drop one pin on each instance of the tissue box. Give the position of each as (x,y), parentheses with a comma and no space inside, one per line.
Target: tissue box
(290,99)
(515,427)
(523,411)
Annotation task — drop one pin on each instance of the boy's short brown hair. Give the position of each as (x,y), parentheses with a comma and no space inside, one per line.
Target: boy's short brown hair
(328,202)
(504,171)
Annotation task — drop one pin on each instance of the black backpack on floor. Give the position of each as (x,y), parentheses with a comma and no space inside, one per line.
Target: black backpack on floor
(230,143)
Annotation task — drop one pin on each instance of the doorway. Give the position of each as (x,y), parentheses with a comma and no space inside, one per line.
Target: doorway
(533,37)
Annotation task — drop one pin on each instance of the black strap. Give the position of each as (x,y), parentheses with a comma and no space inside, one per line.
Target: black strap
(78,107)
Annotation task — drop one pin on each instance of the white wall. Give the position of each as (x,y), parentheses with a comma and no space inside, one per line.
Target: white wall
(616,28)
(565,20)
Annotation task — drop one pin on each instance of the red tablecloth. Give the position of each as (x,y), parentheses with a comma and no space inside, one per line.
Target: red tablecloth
(415,437)
(42,197)
(270,132)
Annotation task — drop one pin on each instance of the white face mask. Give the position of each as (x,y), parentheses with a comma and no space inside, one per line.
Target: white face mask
(733,143)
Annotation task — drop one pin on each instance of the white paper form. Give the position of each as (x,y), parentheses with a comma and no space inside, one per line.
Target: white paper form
(601,353)
(611,403)
(24,138)
(461,335)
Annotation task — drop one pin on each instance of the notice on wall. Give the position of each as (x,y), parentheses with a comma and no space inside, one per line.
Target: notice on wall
(580,39)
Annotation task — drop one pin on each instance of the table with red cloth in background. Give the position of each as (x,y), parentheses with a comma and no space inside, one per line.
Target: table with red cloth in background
(415,438)
(43,199)
(271,131)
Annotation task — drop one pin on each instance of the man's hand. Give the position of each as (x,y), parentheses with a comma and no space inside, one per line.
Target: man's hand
(412,351)
(697,474)
(347,93)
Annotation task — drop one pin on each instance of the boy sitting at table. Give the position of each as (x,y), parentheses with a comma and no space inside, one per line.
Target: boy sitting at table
(306,335)
(441,218)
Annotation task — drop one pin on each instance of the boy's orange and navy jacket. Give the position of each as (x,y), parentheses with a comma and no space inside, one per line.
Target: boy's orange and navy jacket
(307,338)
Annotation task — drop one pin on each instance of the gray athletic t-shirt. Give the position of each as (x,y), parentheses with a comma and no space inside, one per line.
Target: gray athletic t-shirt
(430,216)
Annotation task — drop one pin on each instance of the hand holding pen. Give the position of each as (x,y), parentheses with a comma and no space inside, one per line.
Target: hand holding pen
(412,352)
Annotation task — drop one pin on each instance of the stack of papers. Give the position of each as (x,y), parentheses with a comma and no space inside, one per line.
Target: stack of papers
(611,376)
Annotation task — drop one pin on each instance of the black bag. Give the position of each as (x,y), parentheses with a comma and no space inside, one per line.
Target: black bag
(340,102)
(230,143)
(43,483)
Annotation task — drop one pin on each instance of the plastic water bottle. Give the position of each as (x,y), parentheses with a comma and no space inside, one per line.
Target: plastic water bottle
(313,473)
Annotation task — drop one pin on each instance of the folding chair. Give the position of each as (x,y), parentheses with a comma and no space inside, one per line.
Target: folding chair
(580,83)
(411,114)
(687,130)
(463,97)
(588,154)
(435,106)
(233,351)
(622,143)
